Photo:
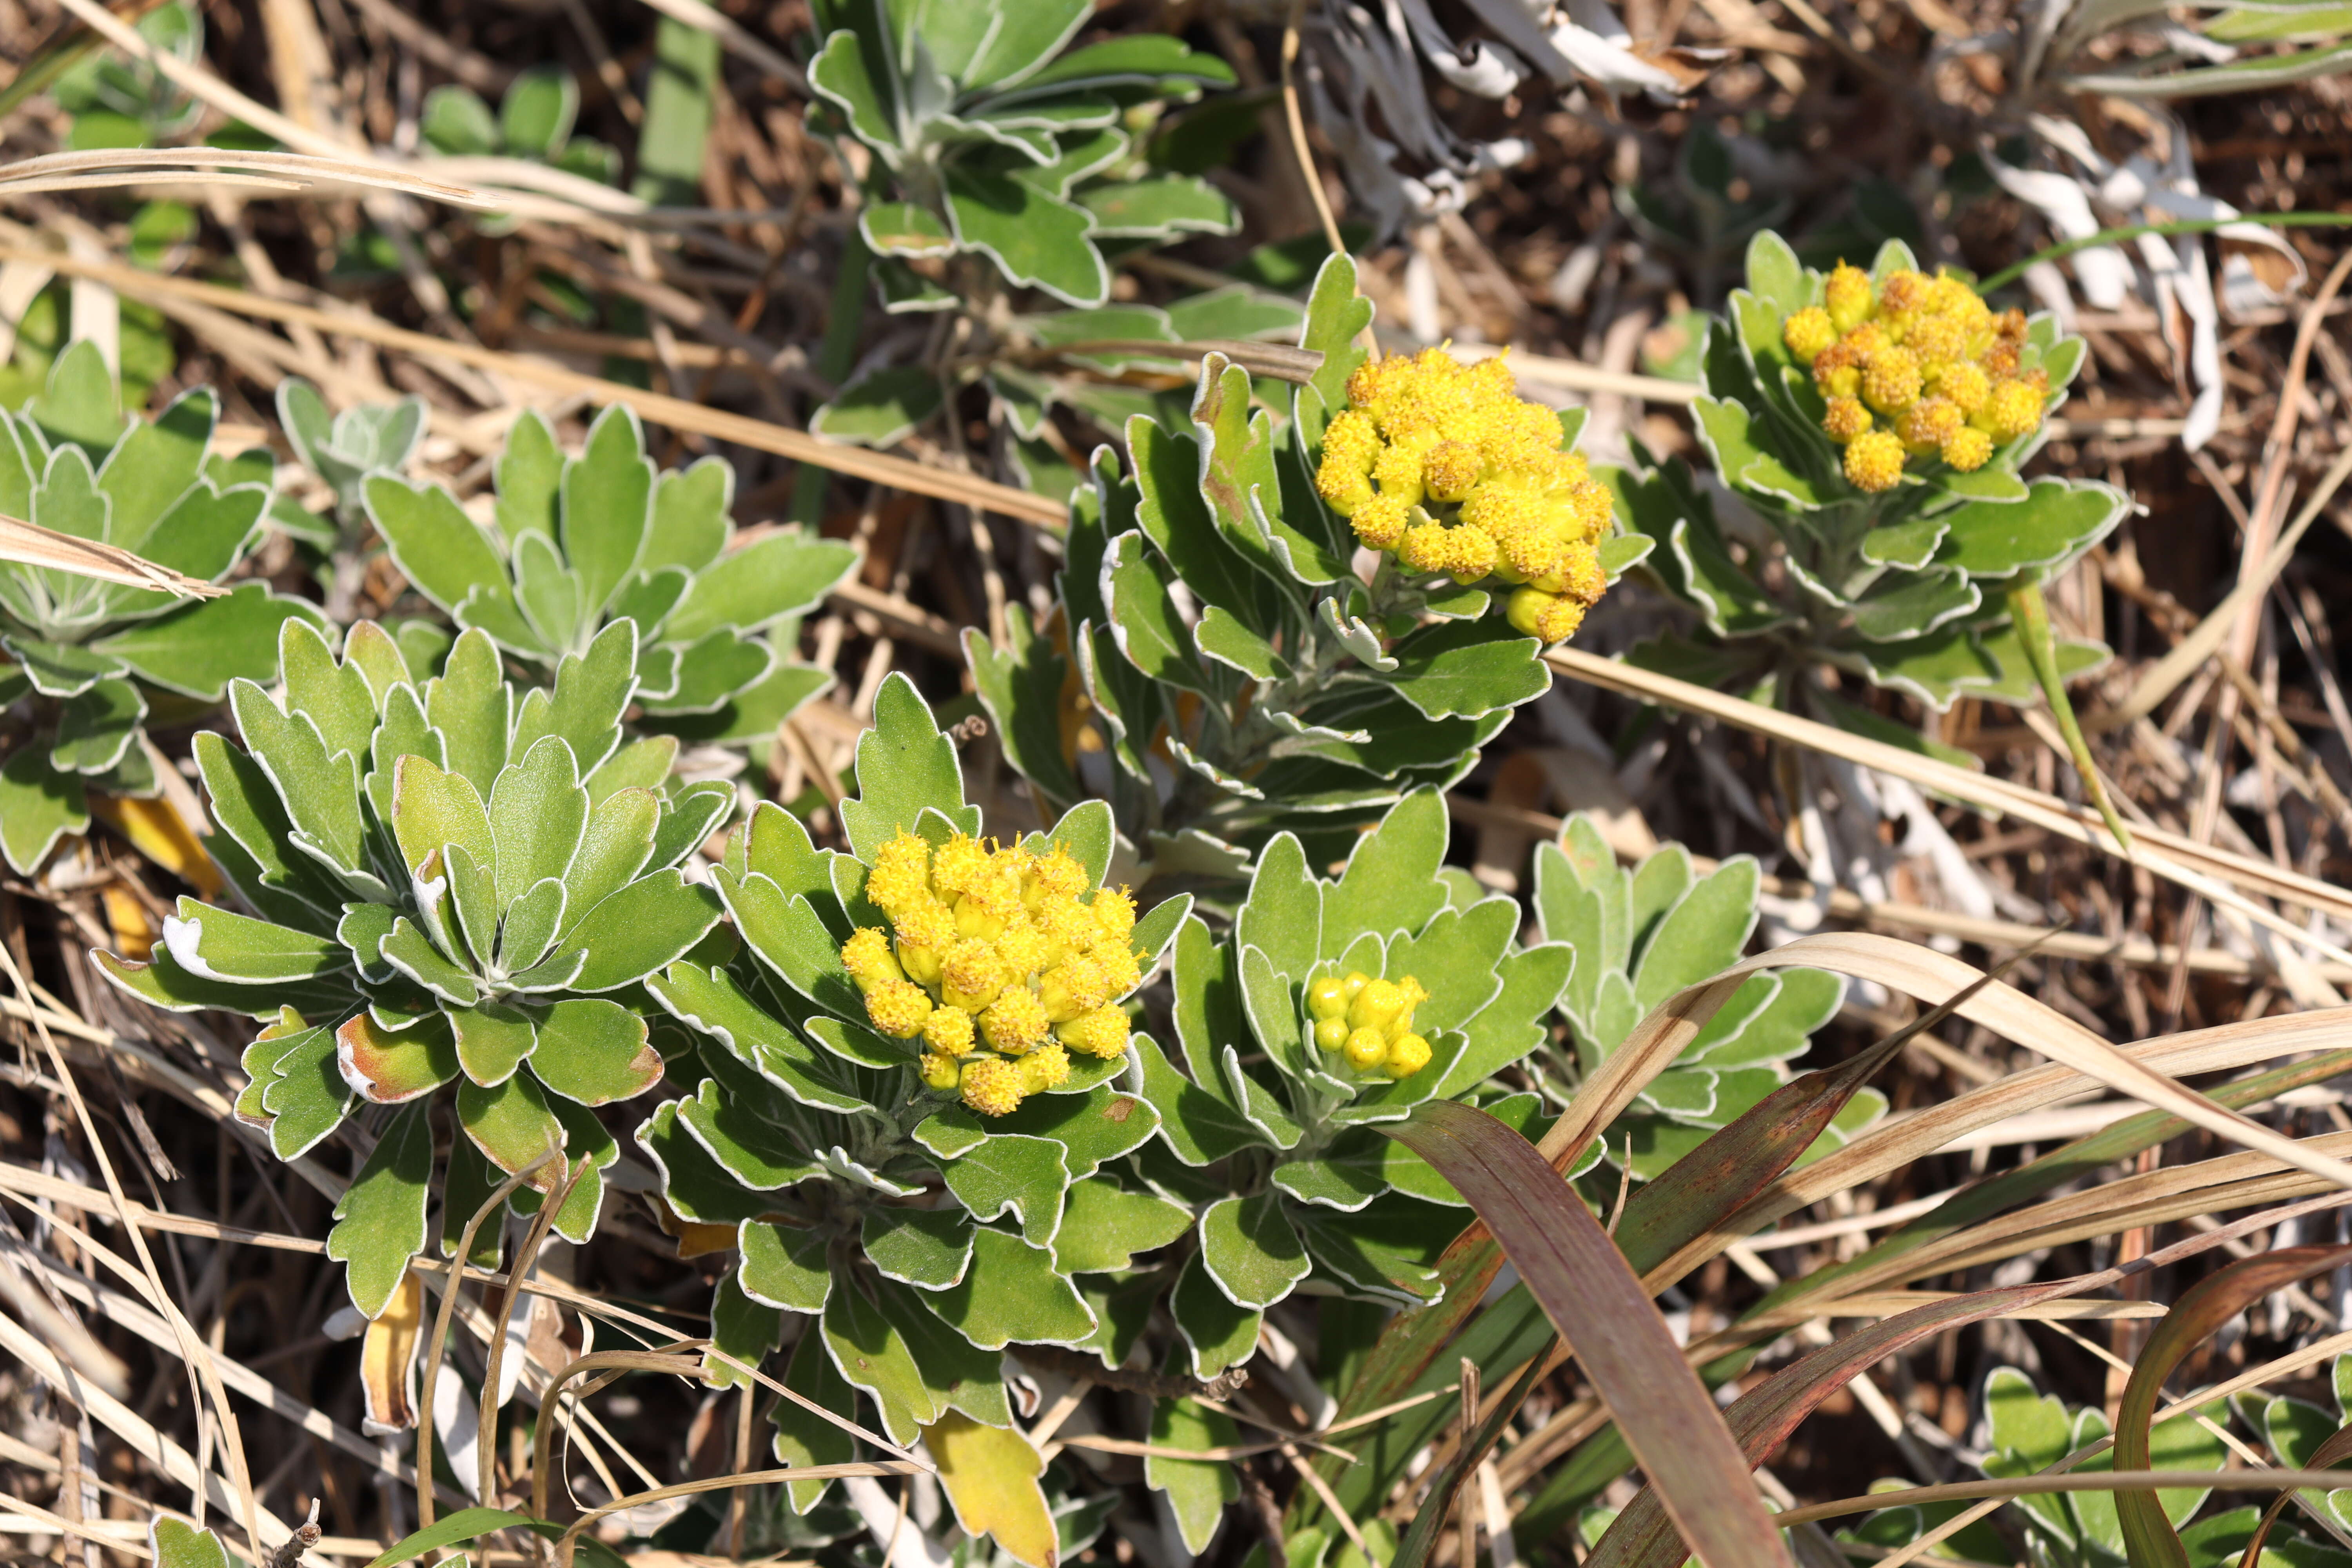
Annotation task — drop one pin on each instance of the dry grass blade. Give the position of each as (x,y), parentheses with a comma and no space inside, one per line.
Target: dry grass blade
(30,544)
(2216,874)
(677,413)
(2249,1480)
(1584,1285)
(185,164)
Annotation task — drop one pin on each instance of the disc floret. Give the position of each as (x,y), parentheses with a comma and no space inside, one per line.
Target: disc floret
(1444,465)
(1913,366)
(1369,1023)
(1001,959)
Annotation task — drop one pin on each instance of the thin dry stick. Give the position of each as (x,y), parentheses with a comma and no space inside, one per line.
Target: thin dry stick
(570,1540)
(1297,122)
(30,544)
(898,473)
(485,1429)
(550,1402)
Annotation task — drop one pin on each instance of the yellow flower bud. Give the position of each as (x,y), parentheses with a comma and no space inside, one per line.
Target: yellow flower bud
(1472,554)
(1366,1049)
(902,874)
(1054,875)
(1397,470)
(1450,470)
(1071,988)
(1331,1034)
(1903,292)
(1101,1033)
(1114,912)
(2013,409)
(1845,420)
(1927,424)
(1381,522)
(1326,996)
(1022,951)
(949,1032)
(897,1008)
(866,956)
(1376,1005)
(1848,298)
(921,963)
(1426,547)
(1967,449)
(939,1072)
(1047,1067)
(1407,1055)
(961,865)
(1115,962)
(1808,333)
(992,1086)
(1890,382)
(1965,386)
(1352,984)
(971,976)
(1014,1021)
(1873,460)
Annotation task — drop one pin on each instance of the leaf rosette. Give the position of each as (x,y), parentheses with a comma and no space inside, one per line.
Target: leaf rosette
(1877,423)
(1642,934)
(1215,666)
(98,660)
(925,1225)
(1266,1128)
(456,884)
(988,137)
(582,542)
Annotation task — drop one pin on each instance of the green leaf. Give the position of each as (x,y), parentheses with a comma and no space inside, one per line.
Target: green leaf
(592,1052)
(1012,1292)
(1774,273)
(905,765)
(1702,935)
(321,793)
(179,1544)
(535,118)
(1217,1333)
(743,1328)
(784,1266)
(1282,915)
(220,944)
(928,1248)
(630,935)
(803,1437)
(392,1065)
(198,649)
(870,1352)
(880,408)
(1021,686)
(433,542)
(1199,1123)
(607,504)
(1143,617)
(1092,1128)
(1028,36)
(1390,883)
(1198,1490)
(1251,1249)
(710,1000)
(751,588)
(904,228)
(512,1126)
(2058,519)
(1464,667)
(1239,480)
(680,102)
(1159,208)
(96,727)
(1024,1176)
(1035,239)
(457,123)
(1104,1226)
(379,1219)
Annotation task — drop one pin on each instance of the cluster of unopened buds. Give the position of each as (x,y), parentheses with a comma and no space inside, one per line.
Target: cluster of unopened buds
(1369,1022)
(998,960)
(1443,465)
(1915,367)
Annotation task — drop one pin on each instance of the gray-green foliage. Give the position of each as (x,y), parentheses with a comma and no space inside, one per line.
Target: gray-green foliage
(1273,1139)
(342,449)
(1240,676)
(815,1139)
(116,101)
(2081,47)
(455,883)
(989,140)
(2029,1431)
(1906,588)
(581,542)
(94,661)
(533,121)
(1643,933)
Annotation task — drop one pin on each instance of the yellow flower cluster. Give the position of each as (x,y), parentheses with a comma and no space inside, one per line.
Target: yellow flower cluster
(1912,367)
(1443,465)
(1369,1021)
(999,960)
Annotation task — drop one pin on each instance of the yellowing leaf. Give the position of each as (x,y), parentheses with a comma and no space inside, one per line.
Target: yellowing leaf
(991,1475)
(134,934)
(384,1354)
(158,832)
